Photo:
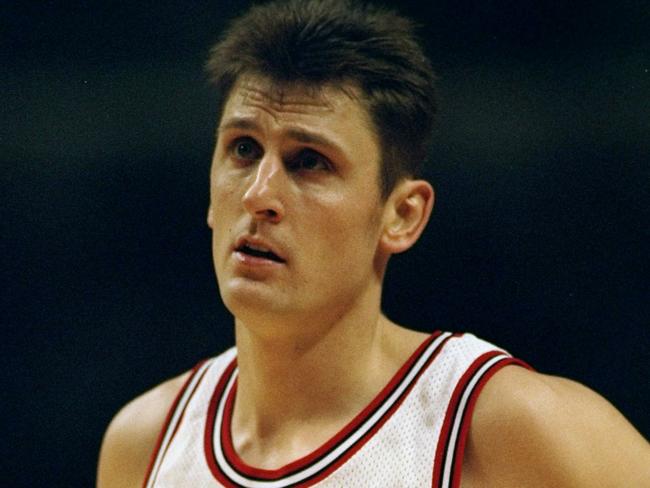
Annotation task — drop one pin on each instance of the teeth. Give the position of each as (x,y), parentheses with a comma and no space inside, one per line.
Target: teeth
(257,248)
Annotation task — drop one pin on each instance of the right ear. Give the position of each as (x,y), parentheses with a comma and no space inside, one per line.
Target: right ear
(407,212)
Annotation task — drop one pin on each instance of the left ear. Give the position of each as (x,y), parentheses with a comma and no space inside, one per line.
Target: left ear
(406,214)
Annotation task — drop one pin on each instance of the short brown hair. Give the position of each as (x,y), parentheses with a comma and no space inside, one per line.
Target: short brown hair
(340,41)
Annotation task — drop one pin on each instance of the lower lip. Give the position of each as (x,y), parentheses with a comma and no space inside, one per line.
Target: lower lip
(256,261)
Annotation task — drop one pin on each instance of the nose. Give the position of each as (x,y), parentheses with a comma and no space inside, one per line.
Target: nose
(263,197)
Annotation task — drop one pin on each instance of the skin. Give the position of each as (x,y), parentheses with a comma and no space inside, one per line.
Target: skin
(297,170)
(300,170)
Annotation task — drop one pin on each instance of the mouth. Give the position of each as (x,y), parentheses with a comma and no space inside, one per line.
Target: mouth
(258,251)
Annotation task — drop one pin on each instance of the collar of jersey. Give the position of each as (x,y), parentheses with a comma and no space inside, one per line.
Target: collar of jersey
(231,470)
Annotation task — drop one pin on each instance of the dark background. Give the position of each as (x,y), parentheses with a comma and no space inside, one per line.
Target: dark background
(539,240)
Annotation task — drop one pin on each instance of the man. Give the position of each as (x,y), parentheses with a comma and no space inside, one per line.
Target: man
(326,110)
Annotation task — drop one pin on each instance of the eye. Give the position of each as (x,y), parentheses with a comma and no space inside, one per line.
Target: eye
(309,160)
(245,148)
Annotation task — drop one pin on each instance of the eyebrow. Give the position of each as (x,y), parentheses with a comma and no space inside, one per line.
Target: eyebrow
(238,123)
(299,135)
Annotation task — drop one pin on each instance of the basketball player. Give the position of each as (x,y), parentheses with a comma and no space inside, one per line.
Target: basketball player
(325,112)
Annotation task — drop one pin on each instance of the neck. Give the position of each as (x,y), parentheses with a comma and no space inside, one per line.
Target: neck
(292,378)
(296,390)
(301,381)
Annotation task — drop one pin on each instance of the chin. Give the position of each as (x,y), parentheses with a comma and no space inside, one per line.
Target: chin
(243,297)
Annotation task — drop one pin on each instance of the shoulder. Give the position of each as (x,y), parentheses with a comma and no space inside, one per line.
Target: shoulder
(132,435)
(530,429)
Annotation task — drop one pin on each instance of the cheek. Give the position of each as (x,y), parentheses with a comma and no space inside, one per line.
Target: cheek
(225,201)
(225,194)
(351,231)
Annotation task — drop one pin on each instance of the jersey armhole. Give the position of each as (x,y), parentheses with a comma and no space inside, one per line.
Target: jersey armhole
(450,451)
(168,420)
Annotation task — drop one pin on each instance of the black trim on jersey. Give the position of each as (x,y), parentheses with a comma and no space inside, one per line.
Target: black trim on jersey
(470,386)
(454,449)
(398,380)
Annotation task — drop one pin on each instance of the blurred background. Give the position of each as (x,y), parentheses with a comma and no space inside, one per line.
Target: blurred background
(538,242)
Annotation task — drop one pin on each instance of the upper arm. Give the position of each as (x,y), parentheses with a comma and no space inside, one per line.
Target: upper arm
(535,430)
(131,437)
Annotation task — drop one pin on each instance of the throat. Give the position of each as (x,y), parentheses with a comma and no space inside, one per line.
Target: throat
(273,447)
(292,400)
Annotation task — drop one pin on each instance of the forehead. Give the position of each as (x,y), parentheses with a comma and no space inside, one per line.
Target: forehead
(293,97)
(335,109)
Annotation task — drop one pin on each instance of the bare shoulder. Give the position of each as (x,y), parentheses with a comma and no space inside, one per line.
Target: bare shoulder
(132,435)
(531,430)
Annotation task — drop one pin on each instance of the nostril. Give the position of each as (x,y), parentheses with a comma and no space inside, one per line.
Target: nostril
(269,214)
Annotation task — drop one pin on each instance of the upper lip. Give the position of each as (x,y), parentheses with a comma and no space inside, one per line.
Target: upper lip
(248,240)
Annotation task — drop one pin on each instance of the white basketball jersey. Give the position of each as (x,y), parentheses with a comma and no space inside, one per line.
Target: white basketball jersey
(412,434)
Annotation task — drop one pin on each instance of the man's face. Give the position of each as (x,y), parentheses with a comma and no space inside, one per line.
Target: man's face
(295,203)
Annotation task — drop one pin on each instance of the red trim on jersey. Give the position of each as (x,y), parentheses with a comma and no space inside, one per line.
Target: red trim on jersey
(452,412)
(168,419)
(275,474)
(358,445)
(466,421)
(209,425)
